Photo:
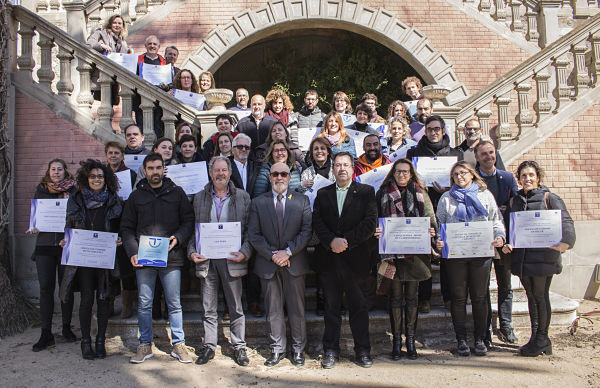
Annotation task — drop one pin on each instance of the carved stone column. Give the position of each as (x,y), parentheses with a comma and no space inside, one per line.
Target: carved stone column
(532,26)
(76,19)
(525,118)
(45,73)
(503,132)
(41,5)
(548,16)
(582,79)
(169,119)
(85,98)
(595,39)
(543,105)
(140,7)
(149,137)
(485,6)
(515,9)
(126,94)
(65,84)
(562,91)
(500,14)
(483,115)
(54,5)
(25,61)
(105,110)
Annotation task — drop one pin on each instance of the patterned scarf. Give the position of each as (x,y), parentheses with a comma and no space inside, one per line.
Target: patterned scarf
(468,204)
(284,116)
(122,167)
(333,139)
(94,200)
(61,187)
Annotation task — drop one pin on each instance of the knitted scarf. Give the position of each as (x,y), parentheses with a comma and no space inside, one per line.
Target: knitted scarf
(94,200)
(333,139)
(60,187)
(284,116)
(468,204)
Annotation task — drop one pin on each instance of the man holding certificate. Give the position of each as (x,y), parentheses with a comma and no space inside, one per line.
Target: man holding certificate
(470,228)
(158,209)
(220,204)
(533,264)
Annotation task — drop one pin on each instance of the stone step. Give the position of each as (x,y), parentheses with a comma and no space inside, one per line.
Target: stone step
(437,322)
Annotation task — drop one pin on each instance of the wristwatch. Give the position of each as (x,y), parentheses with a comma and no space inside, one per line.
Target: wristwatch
(288,251)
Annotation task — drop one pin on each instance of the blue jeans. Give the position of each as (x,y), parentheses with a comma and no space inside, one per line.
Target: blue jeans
(171,282)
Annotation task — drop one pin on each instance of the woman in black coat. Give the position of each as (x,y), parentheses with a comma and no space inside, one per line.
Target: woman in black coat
(57,183)
(95,206)
(536,266)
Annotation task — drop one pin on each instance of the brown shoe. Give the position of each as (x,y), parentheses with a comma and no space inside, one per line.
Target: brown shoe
(144,352)
(254,310)
(180,352)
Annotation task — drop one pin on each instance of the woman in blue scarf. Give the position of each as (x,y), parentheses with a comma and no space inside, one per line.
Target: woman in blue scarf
(469,200)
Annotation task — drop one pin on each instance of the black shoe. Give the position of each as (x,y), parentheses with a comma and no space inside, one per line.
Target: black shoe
(241,358)
(463,349)
(364,360)
(329,360)
(46,340)
(541,345)
(507,335)
(86,349)
(297,359)
(411,349)
(397,348)
(100,348)
(206,354)
(68,334)
(480,348)
(274,358)
(424,307)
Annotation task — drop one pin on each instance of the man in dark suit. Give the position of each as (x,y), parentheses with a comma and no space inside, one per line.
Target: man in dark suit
(279,228)
(344,219)
(503,186)
(243,173)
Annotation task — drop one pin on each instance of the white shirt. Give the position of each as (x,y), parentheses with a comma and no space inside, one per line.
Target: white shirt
(243,169)
(282,200)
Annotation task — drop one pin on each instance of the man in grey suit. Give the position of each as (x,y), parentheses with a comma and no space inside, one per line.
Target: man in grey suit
(221,201)
(279,228)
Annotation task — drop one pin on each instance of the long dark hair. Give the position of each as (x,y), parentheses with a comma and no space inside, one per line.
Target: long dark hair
(110,179)
(46,178)
(290,161)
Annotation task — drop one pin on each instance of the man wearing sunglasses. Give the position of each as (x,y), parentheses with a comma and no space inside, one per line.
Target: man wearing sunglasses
(279,229)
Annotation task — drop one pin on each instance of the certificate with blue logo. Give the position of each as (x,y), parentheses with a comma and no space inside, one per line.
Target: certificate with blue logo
(435,169)
(467,239)
(216,240)
(153,251)
(88,248)
(405,235)
(48,215)
(535,228)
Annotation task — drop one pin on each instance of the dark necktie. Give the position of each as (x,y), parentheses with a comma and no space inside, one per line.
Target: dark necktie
(279,212)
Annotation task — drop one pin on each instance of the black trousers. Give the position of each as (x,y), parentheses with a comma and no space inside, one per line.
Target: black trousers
(88,279)
(469,277)
(403,292)
(47,264)
(252,283)
(335,284)
(425,286)
(505,296)
(537,289)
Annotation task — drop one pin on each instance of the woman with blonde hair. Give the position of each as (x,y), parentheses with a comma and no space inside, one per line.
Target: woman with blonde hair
(397,108)
(333,130)
(399,136)
(206,81)
(279,106)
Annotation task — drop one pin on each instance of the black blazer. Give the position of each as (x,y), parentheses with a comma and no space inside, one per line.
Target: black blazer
(356,224)
(236,178)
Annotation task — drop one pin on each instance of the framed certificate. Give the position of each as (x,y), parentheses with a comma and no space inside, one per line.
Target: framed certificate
(405,235)
(156,74)
(88,248)
(48,215)
(192,177)
(125,189)
(216,240)
(535,228)
(467,239)
(195,100)
(435,169)
(153,251)
(374,177)
(134,162)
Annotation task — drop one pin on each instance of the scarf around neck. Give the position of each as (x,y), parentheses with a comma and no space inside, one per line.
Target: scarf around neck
(94,200)
(333,139)
(60,187)
(469,205)
(413,204)
(284,116)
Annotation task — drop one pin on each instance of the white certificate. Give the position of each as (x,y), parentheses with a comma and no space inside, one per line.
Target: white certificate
(467,239)
(88,248)
(535,228)
(156,74)
(374,177)
(399,153)
(358,137)
(318,183)
(195,100)
(192,177)
(435,169)
(216,240)
(134,162)
(305,136)
(405,235)
(125,189)
(381,128)
(48,215)
(128,61)
(348,119)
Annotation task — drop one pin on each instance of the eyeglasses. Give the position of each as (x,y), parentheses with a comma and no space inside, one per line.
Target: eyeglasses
(96,176)
(280,151)
(402,172)
(242,147)
(283,174)
(460,174)
(472,129)
(434,129)
(341,165)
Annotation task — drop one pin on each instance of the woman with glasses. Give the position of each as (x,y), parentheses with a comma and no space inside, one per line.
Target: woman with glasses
(95,206)
(403,194)
(279,131)
(469,200)
(279,152)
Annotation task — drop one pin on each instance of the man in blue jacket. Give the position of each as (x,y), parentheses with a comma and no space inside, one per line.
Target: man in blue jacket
(503,186)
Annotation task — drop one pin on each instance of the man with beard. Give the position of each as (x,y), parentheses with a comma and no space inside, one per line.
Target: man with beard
(221,201)
(472,132)
(257,125)
(411,86)
(434,143)
(135,141)
(310,115)
(158,208)
(424,110)
(372,158)
(279,229)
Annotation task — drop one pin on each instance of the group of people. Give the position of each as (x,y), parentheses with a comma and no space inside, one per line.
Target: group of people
(259,178)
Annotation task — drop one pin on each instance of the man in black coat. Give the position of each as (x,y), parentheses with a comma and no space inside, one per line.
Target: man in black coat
(344,220)
(257,125)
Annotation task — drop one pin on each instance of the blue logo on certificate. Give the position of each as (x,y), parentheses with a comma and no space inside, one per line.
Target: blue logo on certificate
(537,214)
(408,221)
(57,203)
(153,251)
(220,226)
(95,235)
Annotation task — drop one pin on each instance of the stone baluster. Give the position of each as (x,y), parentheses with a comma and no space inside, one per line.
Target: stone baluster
(169,119)
(459,133)
(54,5)
(140,7)
(515,8)
(25,61)
(485,6)
(562,91)
(503,131)
(154,2)
(76,24)
(543,106)
(65,84)
(126,94)
(85,98)
(124,11)
(41,5)
(532,26)
(595,40)
(105,110)
(45,73)
(109,9)
(525,118)
(500,14)
(582,78)
(147,106)
(483,115)
(93,21)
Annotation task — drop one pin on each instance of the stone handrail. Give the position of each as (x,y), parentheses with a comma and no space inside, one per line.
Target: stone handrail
(69,49)
(561,75)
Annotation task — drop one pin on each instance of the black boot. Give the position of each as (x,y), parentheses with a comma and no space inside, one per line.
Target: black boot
(68,334)
(46,340)
(411,349)
(533,318)
(100,348)
(396,317)
(86,349)
(411,328)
